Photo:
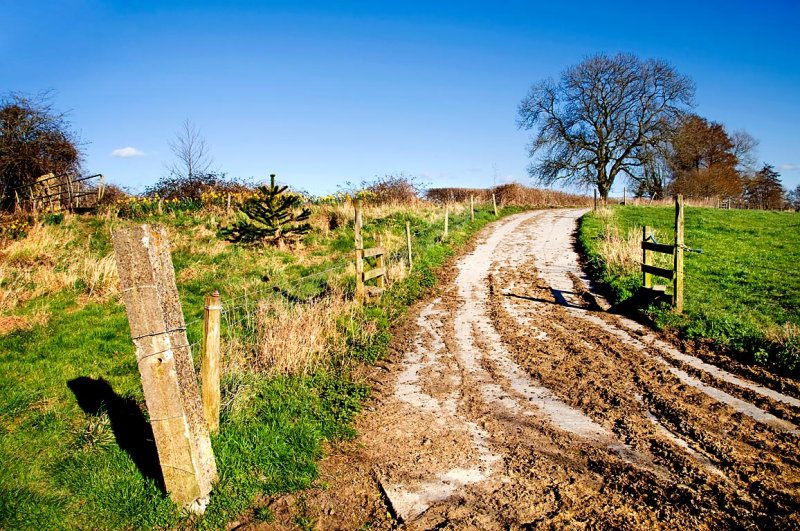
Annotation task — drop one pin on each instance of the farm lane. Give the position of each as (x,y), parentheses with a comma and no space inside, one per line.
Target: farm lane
(512,403)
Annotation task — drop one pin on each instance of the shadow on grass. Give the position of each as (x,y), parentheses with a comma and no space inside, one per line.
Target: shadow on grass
(133,433)
(634,306)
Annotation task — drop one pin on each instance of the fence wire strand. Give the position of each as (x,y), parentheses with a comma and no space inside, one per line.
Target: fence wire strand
(240,315)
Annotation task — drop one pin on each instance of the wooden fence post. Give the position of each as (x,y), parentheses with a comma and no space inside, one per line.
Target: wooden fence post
(101,188)
(359,252)
(70,194)
(408,241)
(677,297)
(624,196)
(209,368)
(647,259)
(494,204)
(165,363)
(380,263)
(228,204)
(595,200)
(446,219)
(472,207)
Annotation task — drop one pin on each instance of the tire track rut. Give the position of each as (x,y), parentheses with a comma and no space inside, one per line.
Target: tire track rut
(513,404)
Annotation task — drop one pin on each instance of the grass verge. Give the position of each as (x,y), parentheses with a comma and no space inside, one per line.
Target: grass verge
(742,291)
(74,434)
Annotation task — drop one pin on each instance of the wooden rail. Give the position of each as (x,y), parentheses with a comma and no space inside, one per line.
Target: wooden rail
(374,273)
(658,271)
(374,251)
(61,192)
(657,247)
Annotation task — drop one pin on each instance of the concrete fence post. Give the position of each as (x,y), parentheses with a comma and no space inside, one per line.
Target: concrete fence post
(164,357)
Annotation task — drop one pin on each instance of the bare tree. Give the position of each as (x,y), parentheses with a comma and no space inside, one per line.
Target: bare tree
(744,147)
(655,168)
(592,125)
(192,158)
(794,198)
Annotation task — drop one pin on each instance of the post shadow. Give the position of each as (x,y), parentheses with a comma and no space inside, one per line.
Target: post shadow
(133,433)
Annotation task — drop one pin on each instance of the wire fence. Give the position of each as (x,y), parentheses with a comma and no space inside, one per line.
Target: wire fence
(287,323)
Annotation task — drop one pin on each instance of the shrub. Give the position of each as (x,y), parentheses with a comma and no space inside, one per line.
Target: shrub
(112,195)
(394,189)
(183,188)
(457,195)
(509,194)
(34,140)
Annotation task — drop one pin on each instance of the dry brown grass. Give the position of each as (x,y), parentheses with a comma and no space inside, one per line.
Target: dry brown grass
(329,217)
(46,262)
(787,337)
(288,338)
(623,252)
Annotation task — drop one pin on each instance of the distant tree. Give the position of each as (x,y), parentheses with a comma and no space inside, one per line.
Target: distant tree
(593,124)
(34,140)
(192,157)
(703,160)
(655,169)
(764,190)
(744,147)
(794,198)
(274,216)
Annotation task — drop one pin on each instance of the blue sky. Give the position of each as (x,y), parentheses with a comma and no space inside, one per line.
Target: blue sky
(327,92)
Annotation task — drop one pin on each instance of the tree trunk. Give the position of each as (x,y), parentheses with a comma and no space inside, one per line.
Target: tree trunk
(603,182)
(603,189)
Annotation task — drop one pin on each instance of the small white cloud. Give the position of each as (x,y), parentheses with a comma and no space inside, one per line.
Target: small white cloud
(789,167)
(127,152)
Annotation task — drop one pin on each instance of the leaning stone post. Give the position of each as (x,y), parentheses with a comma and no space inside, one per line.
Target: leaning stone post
(164,357)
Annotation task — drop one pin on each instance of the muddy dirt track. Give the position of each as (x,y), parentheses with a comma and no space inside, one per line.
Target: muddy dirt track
(512,401)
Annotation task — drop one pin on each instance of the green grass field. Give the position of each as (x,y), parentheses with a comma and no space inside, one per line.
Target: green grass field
(64,467)
(743,290)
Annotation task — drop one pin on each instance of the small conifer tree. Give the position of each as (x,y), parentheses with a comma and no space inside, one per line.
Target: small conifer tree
(273,217)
